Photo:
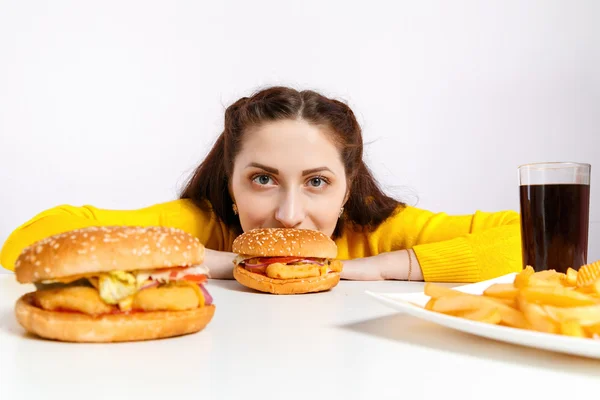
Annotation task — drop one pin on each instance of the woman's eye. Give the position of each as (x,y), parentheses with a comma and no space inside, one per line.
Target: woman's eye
(262,179)
(316,182)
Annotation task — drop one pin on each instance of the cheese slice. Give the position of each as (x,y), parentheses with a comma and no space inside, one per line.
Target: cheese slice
(201,300)
(126,303)
(69,279)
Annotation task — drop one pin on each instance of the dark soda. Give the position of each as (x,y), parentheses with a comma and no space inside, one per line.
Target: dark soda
(554,226)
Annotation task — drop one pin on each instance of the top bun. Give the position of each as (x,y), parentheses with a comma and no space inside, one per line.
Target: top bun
(107,248)
(278,242)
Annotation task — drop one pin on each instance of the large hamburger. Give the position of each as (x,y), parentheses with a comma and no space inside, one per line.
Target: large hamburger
(286,261)
(114,284)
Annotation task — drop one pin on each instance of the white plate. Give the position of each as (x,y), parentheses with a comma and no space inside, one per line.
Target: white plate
(412,304)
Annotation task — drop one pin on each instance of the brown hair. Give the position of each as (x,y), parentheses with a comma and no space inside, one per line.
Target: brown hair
(367,206)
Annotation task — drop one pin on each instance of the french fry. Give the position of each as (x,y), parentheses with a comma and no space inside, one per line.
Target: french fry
(590,290)
(592,330)
(435,291)
(537,318)
(488,315)
(556,296)
(512,317)
(549,275)
(430,303)
(571,277)
(453,304)
(448,304)
(528,277)
(551,302)
(596,289)
(572,328)
(502,290)
(509,302)
(522,278)
(534,281)
(586,315)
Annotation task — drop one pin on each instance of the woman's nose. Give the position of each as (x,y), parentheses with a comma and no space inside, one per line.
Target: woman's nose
(290,212)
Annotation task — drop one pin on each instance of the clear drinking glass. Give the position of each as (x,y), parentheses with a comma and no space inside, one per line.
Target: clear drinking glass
(555,203)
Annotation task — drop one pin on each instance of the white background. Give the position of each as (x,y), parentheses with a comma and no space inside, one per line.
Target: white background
(114,103)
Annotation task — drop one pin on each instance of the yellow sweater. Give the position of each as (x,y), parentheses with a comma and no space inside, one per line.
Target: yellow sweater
(465,248)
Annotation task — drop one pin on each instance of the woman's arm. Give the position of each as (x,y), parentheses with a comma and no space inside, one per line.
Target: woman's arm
(180,214)
(447,248)
(219,263)
(394,265)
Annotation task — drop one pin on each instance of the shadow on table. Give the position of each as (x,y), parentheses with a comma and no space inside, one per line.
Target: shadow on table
(229,284)
(409,330)
(10,325)
(235,286)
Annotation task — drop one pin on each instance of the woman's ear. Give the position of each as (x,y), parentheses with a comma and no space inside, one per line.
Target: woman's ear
(230,190)
(233,205)
(347,196)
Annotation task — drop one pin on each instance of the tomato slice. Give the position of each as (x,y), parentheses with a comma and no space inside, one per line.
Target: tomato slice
(273,260)
(195,278)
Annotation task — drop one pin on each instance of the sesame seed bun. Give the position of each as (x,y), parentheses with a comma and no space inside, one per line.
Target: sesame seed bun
(78,327)
(108,248)
(277,242)
(265,284)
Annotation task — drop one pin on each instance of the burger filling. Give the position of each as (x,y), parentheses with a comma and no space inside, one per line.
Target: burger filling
(168,289)
(289,267)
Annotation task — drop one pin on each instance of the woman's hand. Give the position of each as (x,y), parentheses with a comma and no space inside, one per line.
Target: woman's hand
(219,263)
(393,265)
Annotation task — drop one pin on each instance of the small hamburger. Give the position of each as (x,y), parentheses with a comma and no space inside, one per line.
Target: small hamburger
(286,261)
(114,284)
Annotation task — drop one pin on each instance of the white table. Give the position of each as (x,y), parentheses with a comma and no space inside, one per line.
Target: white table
(340,344)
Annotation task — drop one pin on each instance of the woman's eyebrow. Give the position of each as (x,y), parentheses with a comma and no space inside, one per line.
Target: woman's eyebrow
(313,170)
(272,170)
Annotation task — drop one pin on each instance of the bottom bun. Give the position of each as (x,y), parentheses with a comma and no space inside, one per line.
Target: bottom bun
(78,327)
(285,286)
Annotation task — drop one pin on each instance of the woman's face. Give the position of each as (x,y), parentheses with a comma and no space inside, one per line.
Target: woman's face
(288,174)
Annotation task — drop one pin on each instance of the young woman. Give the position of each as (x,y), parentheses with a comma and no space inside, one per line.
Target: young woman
(295,159)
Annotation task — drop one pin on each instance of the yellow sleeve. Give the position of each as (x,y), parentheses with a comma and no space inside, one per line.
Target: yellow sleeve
(182,214)
(450,248)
